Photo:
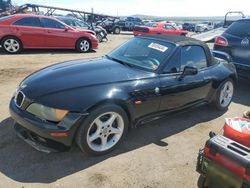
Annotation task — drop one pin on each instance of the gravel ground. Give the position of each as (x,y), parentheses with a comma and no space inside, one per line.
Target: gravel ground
(160,154)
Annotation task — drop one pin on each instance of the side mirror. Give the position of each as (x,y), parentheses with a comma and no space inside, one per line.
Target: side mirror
(66,28)
(188,71)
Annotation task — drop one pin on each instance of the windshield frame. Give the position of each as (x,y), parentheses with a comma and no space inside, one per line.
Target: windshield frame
(163,63)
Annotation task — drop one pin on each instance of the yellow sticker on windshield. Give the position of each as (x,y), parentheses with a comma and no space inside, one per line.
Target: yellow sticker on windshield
(158,47)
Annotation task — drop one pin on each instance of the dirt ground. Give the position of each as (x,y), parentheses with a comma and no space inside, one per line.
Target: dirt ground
(160,154)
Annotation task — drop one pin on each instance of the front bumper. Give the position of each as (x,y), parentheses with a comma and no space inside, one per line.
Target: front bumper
(95,44)
(43,128)
(37,142)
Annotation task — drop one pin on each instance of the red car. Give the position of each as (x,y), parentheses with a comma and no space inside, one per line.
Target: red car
(23,31)
(158,28)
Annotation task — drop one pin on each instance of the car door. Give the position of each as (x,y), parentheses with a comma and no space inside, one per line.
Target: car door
(169,29)
(56,36)
(177,93)
(30,31)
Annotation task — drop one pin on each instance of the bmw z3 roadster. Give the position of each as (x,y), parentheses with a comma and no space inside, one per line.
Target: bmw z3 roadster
(95,102)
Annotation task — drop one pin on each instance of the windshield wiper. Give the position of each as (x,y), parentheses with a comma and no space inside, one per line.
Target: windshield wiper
(118,60)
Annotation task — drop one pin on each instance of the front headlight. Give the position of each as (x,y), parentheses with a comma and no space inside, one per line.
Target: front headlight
(44,112)
(22,85)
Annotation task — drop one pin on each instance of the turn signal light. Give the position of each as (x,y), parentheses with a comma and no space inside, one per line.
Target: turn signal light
(221,41)
(58,134)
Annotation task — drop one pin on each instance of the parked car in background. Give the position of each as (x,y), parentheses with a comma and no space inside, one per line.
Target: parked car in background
(110,25)
(203,27)
(189,26)
(131,22)
(158,28)
(101,33)
(95,102)
(174,24)
(28,31)
(122,24)
(218,24)
(236,42)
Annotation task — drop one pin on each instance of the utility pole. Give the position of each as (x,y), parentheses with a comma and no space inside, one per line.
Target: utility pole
(92,16)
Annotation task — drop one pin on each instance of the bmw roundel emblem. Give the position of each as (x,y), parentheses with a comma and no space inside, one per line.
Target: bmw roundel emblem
(245,42)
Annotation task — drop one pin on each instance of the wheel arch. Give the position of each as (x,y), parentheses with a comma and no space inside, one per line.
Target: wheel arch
(235,80)
(119,102)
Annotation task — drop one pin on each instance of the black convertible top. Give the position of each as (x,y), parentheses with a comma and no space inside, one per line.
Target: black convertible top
(182,41)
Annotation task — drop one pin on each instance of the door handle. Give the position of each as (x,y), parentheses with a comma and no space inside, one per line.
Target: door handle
(49,31)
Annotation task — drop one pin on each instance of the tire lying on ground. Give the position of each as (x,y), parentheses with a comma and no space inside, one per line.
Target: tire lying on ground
(99,37)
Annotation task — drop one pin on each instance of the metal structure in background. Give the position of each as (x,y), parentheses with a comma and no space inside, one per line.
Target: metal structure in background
(228,22)
(209,36)
(86,16)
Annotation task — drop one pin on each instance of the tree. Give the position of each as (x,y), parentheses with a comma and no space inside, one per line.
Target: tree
(4,4)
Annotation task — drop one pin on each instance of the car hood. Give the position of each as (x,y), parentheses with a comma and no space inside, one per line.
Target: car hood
(78,74)
(85,30)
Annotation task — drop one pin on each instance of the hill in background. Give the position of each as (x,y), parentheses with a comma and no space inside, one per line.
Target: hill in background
(185,19)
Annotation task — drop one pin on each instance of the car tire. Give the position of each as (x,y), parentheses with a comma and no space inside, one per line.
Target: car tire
(201,182)
(117,30)
(83,45)
(99,37)
(224,95)
(12,45)
(103,130)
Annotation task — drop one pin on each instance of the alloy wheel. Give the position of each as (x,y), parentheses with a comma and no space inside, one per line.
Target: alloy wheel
(84,46)
(226,94)
(11,45)
(105,131)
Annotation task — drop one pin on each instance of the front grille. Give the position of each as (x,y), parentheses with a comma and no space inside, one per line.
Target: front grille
(19,99)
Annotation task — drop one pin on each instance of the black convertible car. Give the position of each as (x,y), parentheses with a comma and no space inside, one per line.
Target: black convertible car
(94,102)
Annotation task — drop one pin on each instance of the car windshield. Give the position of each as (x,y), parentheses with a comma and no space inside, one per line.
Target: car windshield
(144,53)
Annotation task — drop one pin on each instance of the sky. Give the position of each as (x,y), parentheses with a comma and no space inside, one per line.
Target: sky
(174,8)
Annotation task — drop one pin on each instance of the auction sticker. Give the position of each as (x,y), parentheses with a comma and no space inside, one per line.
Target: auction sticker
(158,47)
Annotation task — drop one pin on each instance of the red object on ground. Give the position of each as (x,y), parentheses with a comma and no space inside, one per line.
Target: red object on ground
(237,135)
(158,28)
(35,31)
(227,163)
